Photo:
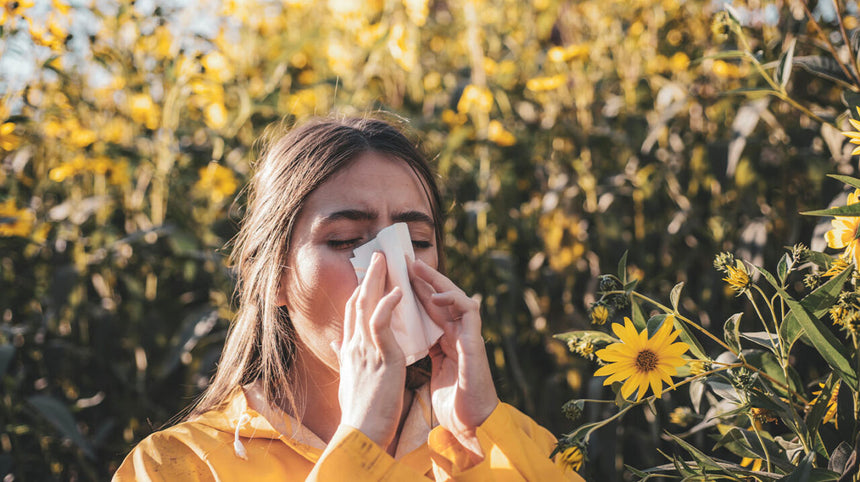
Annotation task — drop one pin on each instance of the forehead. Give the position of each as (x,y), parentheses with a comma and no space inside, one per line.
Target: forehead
(373,181)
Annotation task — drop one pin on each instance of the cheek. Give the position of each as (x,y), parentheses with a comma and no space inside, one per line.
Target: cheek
(430,257)
(319,285)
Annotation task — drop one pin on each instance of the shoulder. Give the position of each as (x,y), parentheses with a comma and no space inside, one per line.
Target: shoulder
(176,453)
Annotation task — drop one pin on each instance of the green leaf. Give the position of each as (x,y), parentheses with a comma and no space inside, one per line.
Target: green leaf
(851,181)
(675,295)
(746,443)
(839,458)
(816,414)
(598,338)
(60,417)
(818,303)
(830,348)
(786,63)
(638,317)
(803,470)
(700,457)
(782,267)
(763,338)
(731,333)
(622,268)
(823,66)
(654,323)
(194,327)
(6,354)
(851,210)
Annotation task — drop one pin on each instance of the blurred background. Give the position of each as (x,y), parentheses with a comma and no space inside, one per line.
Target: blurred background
(565,133)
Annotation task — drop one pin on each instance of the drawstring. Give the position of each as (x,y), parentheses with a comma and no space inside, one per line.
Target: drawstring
(237,444)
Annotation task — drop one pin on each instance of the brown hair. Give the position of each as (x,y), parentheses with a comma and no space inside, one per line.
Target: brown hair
(260,344)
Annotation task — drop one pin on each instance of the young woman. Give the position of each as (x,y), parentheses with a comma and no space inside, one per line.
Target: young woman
(312,384)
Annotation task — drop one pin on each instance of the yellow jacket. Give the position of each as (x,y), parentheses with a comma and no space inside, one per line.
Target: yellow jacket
(236,443)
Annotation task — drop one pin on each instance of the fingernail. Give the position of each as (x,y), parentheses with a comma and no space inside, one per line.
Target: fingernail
(376,256)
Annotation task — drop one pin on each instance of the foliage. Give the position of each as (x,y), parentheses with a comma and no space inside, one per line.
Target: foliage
(767,416)
(565,132)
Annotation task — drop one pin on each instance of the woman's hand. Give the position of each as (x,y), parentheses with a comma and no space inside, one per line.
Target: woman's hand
(372,365)
(463,394)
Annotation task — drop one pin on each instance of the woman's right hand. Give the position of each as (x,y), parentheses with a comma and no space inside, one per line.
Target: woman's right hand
(372,365)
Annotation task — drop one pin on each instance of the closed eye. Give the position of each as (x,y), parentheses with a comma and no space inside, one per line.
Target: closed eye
(344,243)
(421,244)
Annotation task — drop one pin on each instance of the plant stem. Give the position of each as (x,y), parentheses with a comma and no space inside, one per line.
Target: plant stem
(827,42)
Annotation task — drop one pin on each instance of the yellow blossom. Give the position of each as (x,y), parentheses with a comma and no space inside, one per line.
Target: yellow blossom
(217,67)
(837,267)
(454,118)
(855,134)
(540,84)
(681,416)
(417,11)
(640,361)
(599,315)
(846,230)
(144,111)
(698,367)
(216,182)
(572,457)
(830,415)
(473,96)
(401,45)
(738,277)
(215,115)
(8,140)
(14,221)
(497,134)
(563,54)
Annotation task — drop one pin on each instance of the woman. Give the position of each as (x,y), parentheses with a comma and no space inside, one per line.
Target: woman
(311,383)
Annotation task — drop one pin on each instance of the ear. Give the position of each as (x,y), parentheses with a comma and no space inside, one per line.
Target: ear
(281,296)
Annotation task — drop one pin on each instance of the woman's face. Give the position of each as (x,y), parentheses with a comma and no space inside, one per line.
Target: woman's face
(370,193)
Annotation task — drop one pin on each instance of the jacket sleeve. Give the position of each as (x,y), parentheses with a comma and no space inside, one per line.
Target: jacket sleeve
(514,446)
(351,455)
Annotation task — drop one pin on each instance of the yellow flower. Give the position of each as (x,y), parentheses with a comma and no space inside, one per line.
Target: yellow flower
(572,457)
(855,134)
(641,361)
(8,140)
(698,367)
(216,182)
(755,463)
(845,232)
(144,111)
(215,115)
(539,84)
(681,416)
(497,133)
(830,415)
(478,97)
(738,277)
(14,221)
(837,267)
(599,314)
(563,54)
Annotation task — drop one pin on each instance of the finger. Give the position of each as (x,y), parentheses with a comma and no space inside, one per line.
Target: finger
(422,289)
(349,316)
(437,280)
(380,324)
(371,290)
(462,308)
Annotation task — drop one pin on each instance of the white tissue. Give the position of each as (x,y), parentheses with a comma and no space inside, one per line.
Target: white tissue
(413,329)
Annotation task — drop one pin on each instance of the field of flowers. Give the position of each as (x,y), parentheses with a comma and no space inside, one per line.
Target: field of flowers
(573,138)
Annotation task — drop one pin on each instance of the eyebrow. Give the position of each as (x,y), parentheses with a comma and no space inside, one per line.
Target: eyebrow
(363,215)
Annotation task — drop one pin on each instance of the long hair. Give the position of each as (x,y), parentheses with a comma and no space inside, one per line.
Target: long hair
(260,344)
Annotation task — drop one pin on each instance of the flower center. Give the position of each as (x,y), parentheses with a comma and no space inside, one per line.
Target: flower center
(646,361)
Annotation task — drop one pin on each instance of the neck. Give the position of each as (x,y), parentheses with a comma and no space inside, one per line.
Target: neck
(317,396)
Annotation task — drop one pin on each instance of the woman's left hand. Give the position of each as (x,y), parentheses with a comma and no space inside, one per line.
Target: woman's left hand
(463,394)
